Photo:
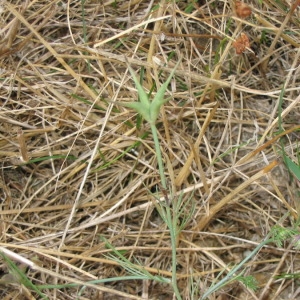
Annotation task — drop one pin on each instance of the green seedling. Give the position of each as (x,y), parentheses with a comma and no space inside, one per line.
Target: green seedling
(149,110)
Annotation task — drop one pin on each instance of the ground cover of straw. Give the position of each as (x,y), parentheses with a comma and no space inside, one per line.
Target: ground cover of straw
(76,165)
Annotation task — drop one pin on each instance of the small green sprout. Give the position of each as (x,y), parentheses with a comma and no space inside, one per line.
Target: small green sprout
(149,109)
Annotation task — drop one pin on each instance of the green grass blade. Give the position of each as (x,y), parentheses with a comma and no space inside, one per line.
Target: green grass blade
(293,168)
(21,276)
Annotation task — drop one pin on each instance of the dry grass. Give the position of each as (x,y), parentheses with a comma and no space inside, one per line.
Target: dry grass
(68,172)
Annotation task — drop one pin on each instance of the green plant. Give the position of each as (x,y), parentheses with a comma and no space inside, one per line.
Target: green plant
(277,235)
(17,275)
(135,269)
(149,110)
(292,167)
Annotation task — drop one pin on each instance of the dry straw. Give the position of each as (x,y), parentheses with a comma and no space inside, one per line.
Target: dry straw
(76,165)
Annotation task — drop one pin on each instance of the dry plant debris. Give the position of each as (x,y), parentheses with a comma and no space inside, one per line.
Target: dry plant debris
(76,166)
(242,9)
(241,44)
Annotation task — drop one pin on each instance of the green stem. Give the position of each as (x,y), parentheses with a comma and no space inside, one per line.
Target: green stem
(172,223)
(159,156)
(171,220)
(231,275)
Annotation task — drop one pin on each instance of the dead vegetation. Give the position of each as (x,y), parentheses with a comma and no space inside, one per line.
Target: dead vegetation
(75,165)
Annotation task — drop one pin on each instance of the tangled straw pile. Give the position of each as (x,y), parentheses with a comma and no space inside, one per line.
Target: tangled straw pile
(75,165)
